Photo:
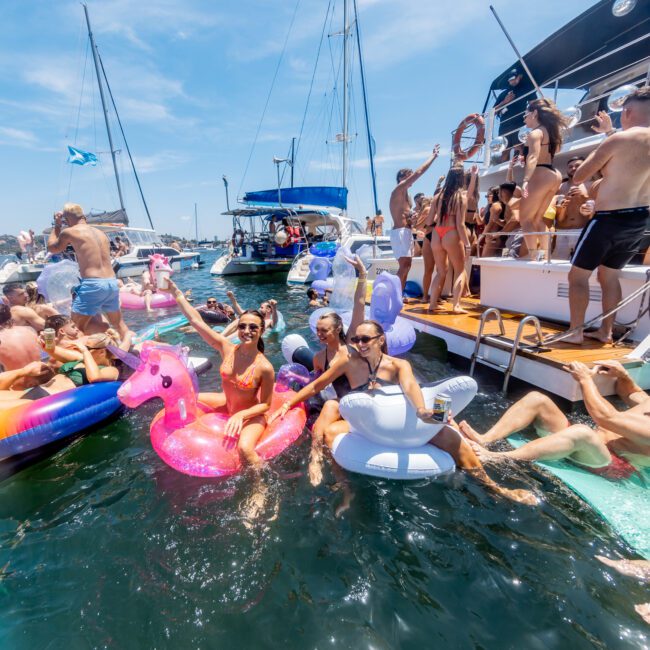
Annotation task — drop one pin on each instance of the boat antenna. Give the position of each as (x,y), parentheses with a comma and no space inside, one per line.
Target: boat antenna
(225,184)
(277,162)
(371,153)
(514,47)
(126,144)
(292,161)
(101,94)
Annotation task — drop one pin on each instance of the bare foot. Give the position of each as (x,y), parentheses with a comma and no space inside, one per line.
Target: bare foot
(643,611)
(487,456)
(639,569)
(600,336)
(315,469)
(471,434)
(525,497)
(459,310)
(345,504)
(576,339)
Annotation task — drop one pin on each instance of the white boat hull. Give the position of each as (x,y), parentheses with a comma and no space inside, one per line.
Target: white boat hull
(228,264)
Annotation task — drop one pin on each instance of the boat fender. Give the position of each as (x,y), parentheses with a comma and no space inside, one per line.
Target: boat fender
(476,120)
(296,350)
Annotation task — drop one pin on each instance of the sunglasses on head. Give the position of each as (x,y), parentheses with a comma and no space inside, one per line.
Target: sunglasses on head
(364,339)
(246,326)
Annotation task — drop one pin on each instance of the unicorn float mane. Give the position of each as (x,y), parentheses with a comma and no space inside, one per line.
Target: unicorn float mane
(158,262)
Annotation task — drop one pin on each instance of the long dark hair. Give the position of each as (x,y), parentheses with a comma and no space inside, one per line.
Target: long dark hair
(454,184)
(338,324)
(379,331)
(257,314)
(552,120)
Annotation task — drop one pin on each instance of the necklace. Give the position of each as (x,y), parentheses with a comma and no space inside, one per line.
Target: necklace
(372,375)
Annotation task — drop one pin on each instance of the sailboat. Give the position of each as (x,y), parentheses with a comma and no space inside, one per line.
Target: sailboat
(143,242)
(311,215)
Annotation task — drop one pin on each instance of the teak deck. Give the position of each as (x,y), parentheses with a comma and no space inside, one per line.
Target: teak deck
(467,325)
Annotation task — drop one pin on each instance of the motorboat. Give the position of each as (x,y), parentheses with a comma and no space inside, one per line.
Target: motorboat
(13,269)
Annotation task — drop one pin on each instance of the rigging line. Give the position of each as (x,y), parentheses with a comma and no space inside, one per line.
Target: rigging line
(126,144)
(268,98)
(313,76)
(81,96)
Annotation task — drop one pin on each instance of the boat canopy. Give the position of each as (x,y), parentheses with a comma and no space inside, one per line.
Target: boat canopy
(592,34)
(323,196)
(117,216)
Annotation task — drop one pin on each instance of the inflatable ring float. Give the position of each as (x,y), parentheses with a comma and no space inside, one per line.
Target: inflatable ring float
(161,300)
(475,119)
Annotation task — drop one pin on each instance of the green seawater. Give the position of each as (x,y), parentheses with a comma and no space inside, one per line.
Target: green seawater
(104,546)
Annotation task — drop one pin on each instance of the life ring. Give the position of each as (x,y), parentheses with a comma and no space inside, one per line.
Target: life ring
(474,119)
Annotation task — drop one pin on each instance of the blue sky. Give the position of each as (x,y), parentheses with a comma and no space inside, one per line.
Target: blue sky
(191,79)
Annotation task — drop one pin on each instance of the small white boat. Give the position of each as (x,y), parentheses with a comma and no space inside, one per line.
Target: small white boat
(14,270)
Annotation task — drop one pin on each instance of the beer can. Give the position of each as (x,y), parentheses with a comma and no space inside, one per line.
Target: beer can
(49,336)
(441,406)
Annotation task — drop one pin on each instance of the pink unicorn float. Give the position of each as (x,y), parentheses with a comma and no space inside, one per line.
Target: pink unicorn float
(152,289)
(188,435)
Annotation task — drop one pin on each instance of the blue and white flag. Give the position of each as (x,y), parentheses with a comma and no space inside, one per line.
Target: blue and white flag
(79,157)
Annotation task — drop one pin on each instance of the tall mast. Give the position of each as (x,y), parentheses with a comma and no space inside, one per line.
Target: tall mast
(346,74)
(101,94)
(196,225)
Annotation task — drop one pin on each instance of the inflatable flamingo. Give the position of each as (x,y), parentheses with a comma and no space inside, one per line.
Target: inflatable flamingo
(186,434)
(157,263)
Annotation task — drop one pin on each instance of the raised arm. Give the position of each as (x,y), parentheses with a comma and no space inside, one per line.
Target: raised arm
(274,312)
(473,180)
(234,303)
(94,373)
(57,241)
(409,180)
(359,308)
(212,338)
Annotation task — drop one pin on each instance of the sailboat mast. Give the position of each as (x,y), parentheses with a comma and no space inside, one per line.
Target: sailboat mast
(196,225)
(101,94)
(346,74)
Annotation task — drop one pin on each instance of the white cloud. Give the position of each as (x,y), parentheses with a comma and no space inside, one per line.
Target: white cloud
(161,161)
(17,137)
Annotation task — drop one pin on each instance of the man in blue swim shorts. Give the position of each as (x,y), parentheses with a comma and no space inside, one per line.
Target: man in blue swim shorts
(98,291)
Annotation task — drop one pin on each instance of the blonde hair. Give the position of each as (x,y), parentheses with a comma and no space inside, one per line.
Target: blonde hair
(74,210)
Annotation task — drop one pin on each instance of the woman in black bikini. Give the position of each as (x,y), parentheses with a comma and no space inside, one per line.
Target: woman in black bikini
(370,367)
(329,330)
(541,179)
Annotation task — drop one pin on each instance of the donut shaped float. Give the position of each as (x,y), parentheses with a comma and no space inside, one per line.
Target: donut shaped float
(319,268)
(161,300)
(189,436)
(324,249)
(212,316)
(386,437)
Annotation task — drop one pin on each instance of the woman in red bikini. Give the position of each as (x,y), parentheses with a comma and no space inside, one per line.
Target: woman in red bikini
(541,180)
(449,237)
(247,376)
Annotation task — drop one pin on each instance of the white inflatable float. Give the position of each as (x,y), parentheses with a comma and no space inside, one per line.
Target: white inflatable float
(386,437)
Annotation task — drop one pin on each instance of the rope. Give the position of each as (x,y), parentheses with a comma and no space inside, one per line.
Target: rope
(268,98)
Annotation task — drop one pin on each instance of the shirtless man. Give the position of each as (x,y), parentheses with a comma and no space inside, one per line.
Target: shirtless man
(615,448)
(65,330)
(17,297)
(18,344)
(148,288)
(568,212)
(98,291)
(614,234)
(401,239)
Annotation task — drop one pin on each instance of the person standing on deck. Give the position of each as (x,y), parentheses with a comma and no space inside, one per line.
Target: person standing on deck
(614,235)
(98,291)
(401,238)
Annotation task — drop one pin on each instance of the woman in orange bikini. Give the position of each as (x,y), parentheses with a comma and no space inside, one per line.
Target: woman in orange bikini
(449,237)
(541,180)
(247,376)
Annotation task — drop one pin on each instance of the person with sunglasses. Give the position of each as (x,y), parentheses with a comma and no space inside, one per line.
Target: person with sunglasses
(216,313)
(369,368)
(268,309)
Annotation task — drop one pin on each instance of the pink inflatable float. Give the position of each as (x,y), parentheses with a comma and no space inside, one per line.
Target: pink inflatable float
(158,264)
(186,434)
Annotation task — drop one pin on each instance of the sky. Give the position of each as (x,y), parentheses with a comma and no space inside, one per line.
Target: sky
(192,80)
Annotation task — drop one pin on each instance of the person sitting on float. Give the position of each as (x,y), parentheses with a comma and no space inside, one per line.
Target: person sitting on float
(329,330)
(370,367)
(247,376)
(268,309)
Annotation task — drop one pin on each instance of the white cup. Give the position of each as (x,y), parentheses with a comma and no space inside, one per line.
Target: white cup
(162,275)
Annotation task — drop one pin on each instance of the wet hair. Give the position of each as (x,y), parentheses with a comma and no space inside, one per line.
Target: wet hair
(338,324)
(454,184)
(379,331)
(573,159)
(403,173)
(639,95)
(257,314)
(509,186)
(312,294)
(11,287)
(56,322)
(552,120)
(5,315)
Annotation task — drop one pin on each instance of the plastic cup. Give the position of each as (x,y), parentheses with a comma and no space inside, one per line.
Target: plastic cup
(162,275)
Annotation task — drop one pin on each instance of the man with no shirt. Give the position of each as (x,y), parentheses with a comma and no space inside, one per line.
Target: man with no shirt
(401,238)
(19,345)
(17,297)
(98,291)
(614,234)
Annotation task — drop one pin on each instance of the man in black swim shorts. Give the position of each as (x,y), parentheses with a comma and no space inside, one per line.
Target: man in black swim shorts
(615,233)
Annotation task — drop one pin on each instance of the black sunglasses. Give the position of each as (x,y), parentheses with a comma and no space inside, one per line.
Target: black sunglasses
(364,339)
(246,326)
(211,302)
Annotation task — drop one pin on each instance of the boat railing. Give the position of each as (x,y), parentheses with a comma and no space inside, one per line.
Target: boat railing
(581,115)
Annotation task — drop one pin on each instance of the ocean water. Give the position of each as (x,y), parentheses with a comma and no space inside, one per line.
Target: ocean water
(103,546)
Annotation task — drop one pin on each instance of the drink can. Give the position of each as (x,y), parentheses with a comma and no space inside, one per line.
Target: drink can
(441,406)
(49,335)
